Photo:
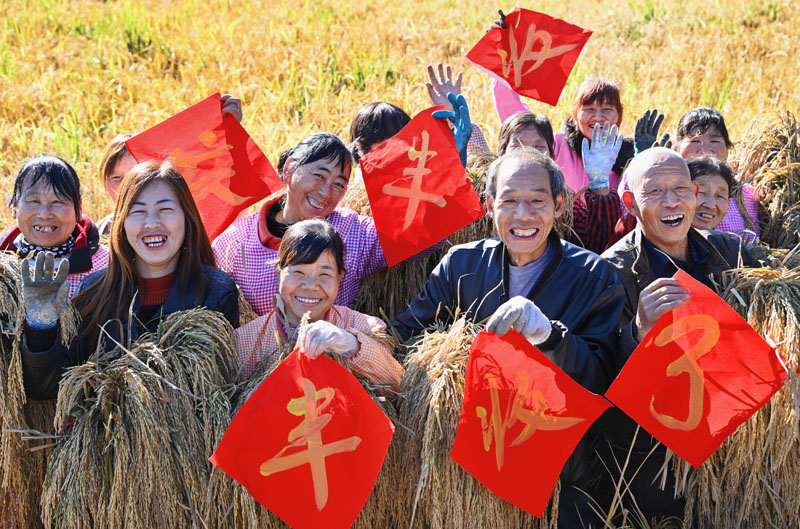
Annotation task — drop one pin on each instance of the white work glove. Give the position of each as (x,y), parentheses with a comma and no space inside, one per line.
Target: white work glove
(321,336)
(522,315)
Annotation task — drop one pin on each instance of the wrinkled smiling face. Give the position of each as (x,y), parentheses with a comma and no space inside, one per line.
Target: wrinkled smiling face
(311,287)
(315,189)
(709,143)
(665,203)
(593,113)
(44,218)
(524,209)
(712,202)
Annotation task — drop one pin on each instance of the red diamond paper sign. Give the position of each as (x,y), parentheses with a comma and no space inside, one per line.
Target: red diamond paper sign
(308,444)
(223,167)
(697,375)
(521,419)
(534,54)
(417,188)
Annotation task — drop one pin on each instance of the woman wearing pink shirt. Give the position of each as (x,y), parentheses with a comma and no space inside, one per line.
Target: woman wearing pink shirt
(597,101)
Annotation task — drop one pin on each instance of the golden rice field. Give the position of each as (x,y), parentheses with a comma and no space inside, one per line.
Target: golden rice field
(75,73)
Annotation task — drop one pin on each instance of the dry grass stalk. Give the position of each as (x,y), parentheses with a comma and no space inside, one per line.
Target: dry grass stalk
(431,487)
(22,462)
(769,158)
(145,420)
(752,480)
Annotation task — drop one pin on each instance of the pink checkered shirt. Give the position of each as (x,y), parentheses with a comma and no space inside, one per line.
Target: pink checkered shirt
(734,220)
(240,253)
(99,262)
(264,337)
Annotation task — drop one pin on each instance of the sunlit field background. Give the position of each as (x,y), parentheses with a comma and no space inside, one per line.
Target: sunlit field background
(73,74)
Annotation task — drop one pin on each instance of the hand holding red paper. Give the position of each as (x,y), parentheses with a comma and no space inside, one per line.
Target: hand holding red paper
(698,374)
(308,444)
(320,336)
(521,419)
(533,54)
(655,300)
(418,191)
(522,315)
(223,167)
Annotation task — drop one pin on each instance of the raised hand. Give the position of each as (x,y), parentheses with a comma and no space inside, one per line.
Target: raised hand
(442,85)
(45,297)
(462,125)
(522,315)
(231,106)
(645,134)
(599,158)
(664,142)
(500,22)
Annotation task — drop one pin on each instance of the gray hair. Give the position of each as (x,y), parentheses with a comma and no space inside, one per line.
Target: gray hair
(557,183)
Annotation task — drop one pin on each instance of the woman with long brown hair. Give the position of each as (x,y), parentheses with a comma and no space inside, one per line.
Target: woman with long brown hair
(160,262)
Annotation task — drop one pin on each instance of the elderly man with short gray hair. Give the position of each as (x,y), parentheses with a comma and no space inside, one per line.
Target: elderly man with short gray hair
(563,299)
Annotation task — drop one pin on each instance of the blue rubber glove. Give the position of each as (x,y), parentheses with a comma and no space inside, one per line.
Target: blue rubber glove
(44,295)
(462,125)
(600,157)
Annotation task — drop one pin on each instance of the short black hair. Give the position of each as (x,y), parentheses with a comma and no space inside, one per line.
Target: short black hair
(557,184)
(56,173)
(711,166)
(318,146)
(305,241)
(697,121)
(375,123)
(525,120)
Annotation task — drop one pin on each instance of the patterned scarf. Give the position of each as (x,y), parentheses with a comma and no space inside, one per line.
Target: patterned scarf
(24,248)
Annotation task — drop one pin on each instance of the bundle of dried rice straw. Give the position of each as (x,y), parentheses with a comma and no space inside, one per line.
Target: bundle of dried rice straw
(24,424)
(432,491)
(769,158)
(139,424)
(753,480)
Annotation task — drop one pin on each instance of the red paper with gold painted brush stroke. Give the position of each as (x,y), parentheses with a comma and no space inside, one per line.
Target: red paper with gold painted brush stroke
(418,190)
(534,54)
(521,419)
(308,444)
(697,375)
(224,168)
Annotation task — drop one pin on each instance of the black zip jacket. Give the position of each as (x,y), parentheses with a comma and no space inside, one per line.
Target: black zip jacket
(43,366)
(578,291)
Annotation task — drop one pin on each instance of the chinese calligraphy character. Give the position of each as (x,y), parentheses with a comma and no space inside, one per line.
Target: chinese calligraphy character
(207,182)
(534,418)
(309,434)
(415,194)
(518,59)
(687,363)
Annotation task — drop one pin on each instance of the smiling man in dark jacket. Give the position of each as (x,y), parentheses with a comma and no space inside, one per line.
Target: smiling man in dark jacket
(662,197)
(563,299)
